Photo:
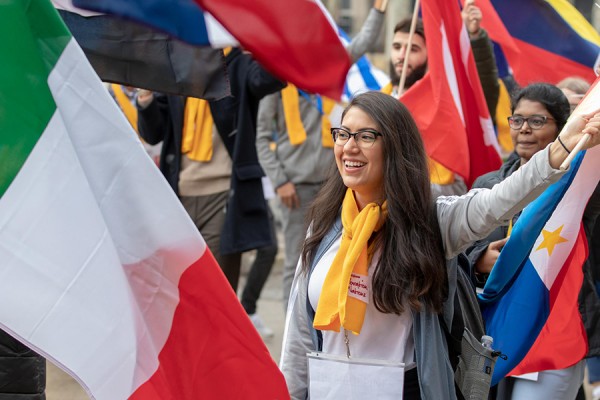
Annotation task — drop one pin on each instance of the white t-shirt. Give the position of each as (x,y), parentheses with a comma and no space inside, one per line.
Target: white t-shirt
(382,337)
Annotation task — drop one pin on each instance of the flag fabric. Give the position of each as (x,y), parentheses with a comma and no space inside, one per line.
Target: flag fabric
(530,299)
(103,270)
(295,39)
(546,40)
(504,44)
(362,76)
(448,102)
(131,54)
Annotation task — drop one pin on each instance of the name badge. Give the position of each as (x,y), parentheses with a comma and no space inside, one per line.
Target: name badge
(359,287)
(333,377)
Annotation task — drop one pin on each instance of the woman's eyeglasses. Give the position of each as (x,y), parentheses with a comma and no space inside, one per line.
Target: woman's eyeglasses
(363,138)
(534,122)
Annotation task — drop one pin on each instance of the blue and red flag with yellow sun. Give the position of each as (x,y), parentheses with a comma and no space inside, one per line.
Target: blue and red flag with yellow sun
(529,302)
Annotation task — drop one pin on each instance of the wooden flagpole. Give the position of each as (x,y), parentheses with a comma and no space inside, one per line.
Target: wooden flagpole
(413,25)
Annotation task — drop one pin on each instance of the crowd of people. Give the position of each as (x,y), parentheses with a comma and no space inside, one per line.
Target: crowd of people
(372,226)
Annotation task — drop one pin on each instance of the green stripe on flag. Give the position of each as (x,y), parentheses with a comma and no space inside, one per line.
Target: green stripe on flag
(34,37)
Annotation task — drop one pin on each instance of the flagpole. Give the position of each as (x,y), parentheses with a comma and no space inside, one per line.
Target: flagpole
(380,5)
(413,25)
(565,164)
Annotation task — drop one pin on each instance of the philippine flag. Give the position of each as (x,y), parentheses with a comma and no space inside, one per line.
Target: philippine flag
(530,299)
(102,270)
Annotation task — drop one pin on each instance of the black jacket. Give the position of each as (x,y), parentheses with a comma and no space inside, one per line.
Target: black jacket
(22,371)
(246,223)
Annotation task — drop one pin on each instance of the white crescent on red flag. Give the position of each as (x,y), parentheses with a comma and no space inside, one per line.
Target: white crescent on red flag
(448,103)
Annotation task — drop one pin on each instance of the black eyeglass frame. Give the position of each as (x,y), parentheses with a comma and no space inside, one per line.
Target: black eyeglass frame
(526,119)
(357,139)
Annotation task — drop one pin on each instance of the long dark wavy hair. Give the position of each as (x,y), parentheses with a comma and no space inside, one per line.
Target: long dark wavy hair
(411,268)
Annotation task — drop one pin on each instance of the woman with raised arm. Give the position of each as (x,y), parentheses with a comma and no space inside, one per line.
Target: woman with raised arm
(374,273)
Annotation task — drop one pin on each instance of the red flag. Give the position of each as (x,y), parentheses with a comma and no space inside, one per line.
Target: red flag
(293,39)
(448,103)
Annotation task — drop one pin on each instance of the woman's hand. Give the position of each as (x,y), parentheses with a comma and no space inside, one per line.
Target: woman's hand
(576,128)
(487,260)
(592,128)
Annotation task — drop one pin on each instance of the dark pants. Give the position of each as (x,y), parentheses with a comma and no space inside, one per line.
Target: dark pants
(411,385)
(208,214)
(22,371)
(259,271)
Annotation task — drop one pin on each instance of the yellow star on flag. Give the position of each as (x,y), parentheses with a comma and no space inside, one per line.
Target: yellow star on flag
(551,239)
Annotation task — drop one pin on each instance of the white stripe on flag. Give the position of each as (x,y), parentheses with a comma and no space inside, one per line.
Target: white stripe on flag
(356,82)
(68,6)
(82,250)
(218,36)
(571,205)
(451,73)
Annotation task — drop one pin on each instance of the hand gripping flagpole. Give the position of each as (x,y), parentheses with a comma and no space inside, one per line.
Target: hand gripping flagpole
(380,5)
(413,25)
(582,142)
(586,106)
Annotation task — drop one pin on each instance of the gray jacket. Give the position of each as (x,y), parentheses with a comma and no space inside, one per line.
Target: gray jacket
(462,220)
(309,162)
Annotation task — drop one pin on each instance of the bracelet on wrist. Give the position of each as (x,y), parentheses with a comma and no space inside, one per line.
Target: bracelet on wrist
(563,145)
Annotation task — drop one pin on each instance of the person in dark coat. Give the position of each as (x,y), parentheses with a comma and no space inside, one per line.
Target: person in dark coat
(230,179)
(22,371)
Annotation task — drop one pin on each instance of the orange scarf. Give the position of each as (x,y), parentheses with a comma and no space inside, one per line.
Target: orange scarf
(345,293)
(293,120)
(197,130)
(125,104)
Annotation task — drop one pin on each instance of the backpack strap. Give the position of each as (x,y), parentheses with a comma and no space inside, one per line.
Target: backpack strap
(453,333)
(328,240)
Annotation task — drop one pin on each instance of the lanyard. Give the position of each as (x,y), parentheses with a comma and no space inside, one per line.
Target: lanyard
(318,102)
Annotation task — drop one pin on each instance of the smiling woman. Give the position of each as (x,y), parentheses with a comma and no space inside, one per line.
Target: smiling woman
(359,157)
(380,256)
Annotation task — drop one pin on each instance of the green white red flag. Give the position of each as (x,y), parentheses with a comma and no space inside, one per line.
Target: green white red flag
(102,270)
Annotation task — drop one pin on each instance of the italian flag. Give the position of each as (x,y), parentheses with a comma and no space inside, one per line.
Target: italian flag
(101,269)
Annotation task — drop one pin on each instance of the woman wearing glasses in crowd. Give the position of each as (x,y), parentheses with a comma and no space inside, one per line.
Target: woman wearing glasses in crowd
(540,111)
(375,291)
